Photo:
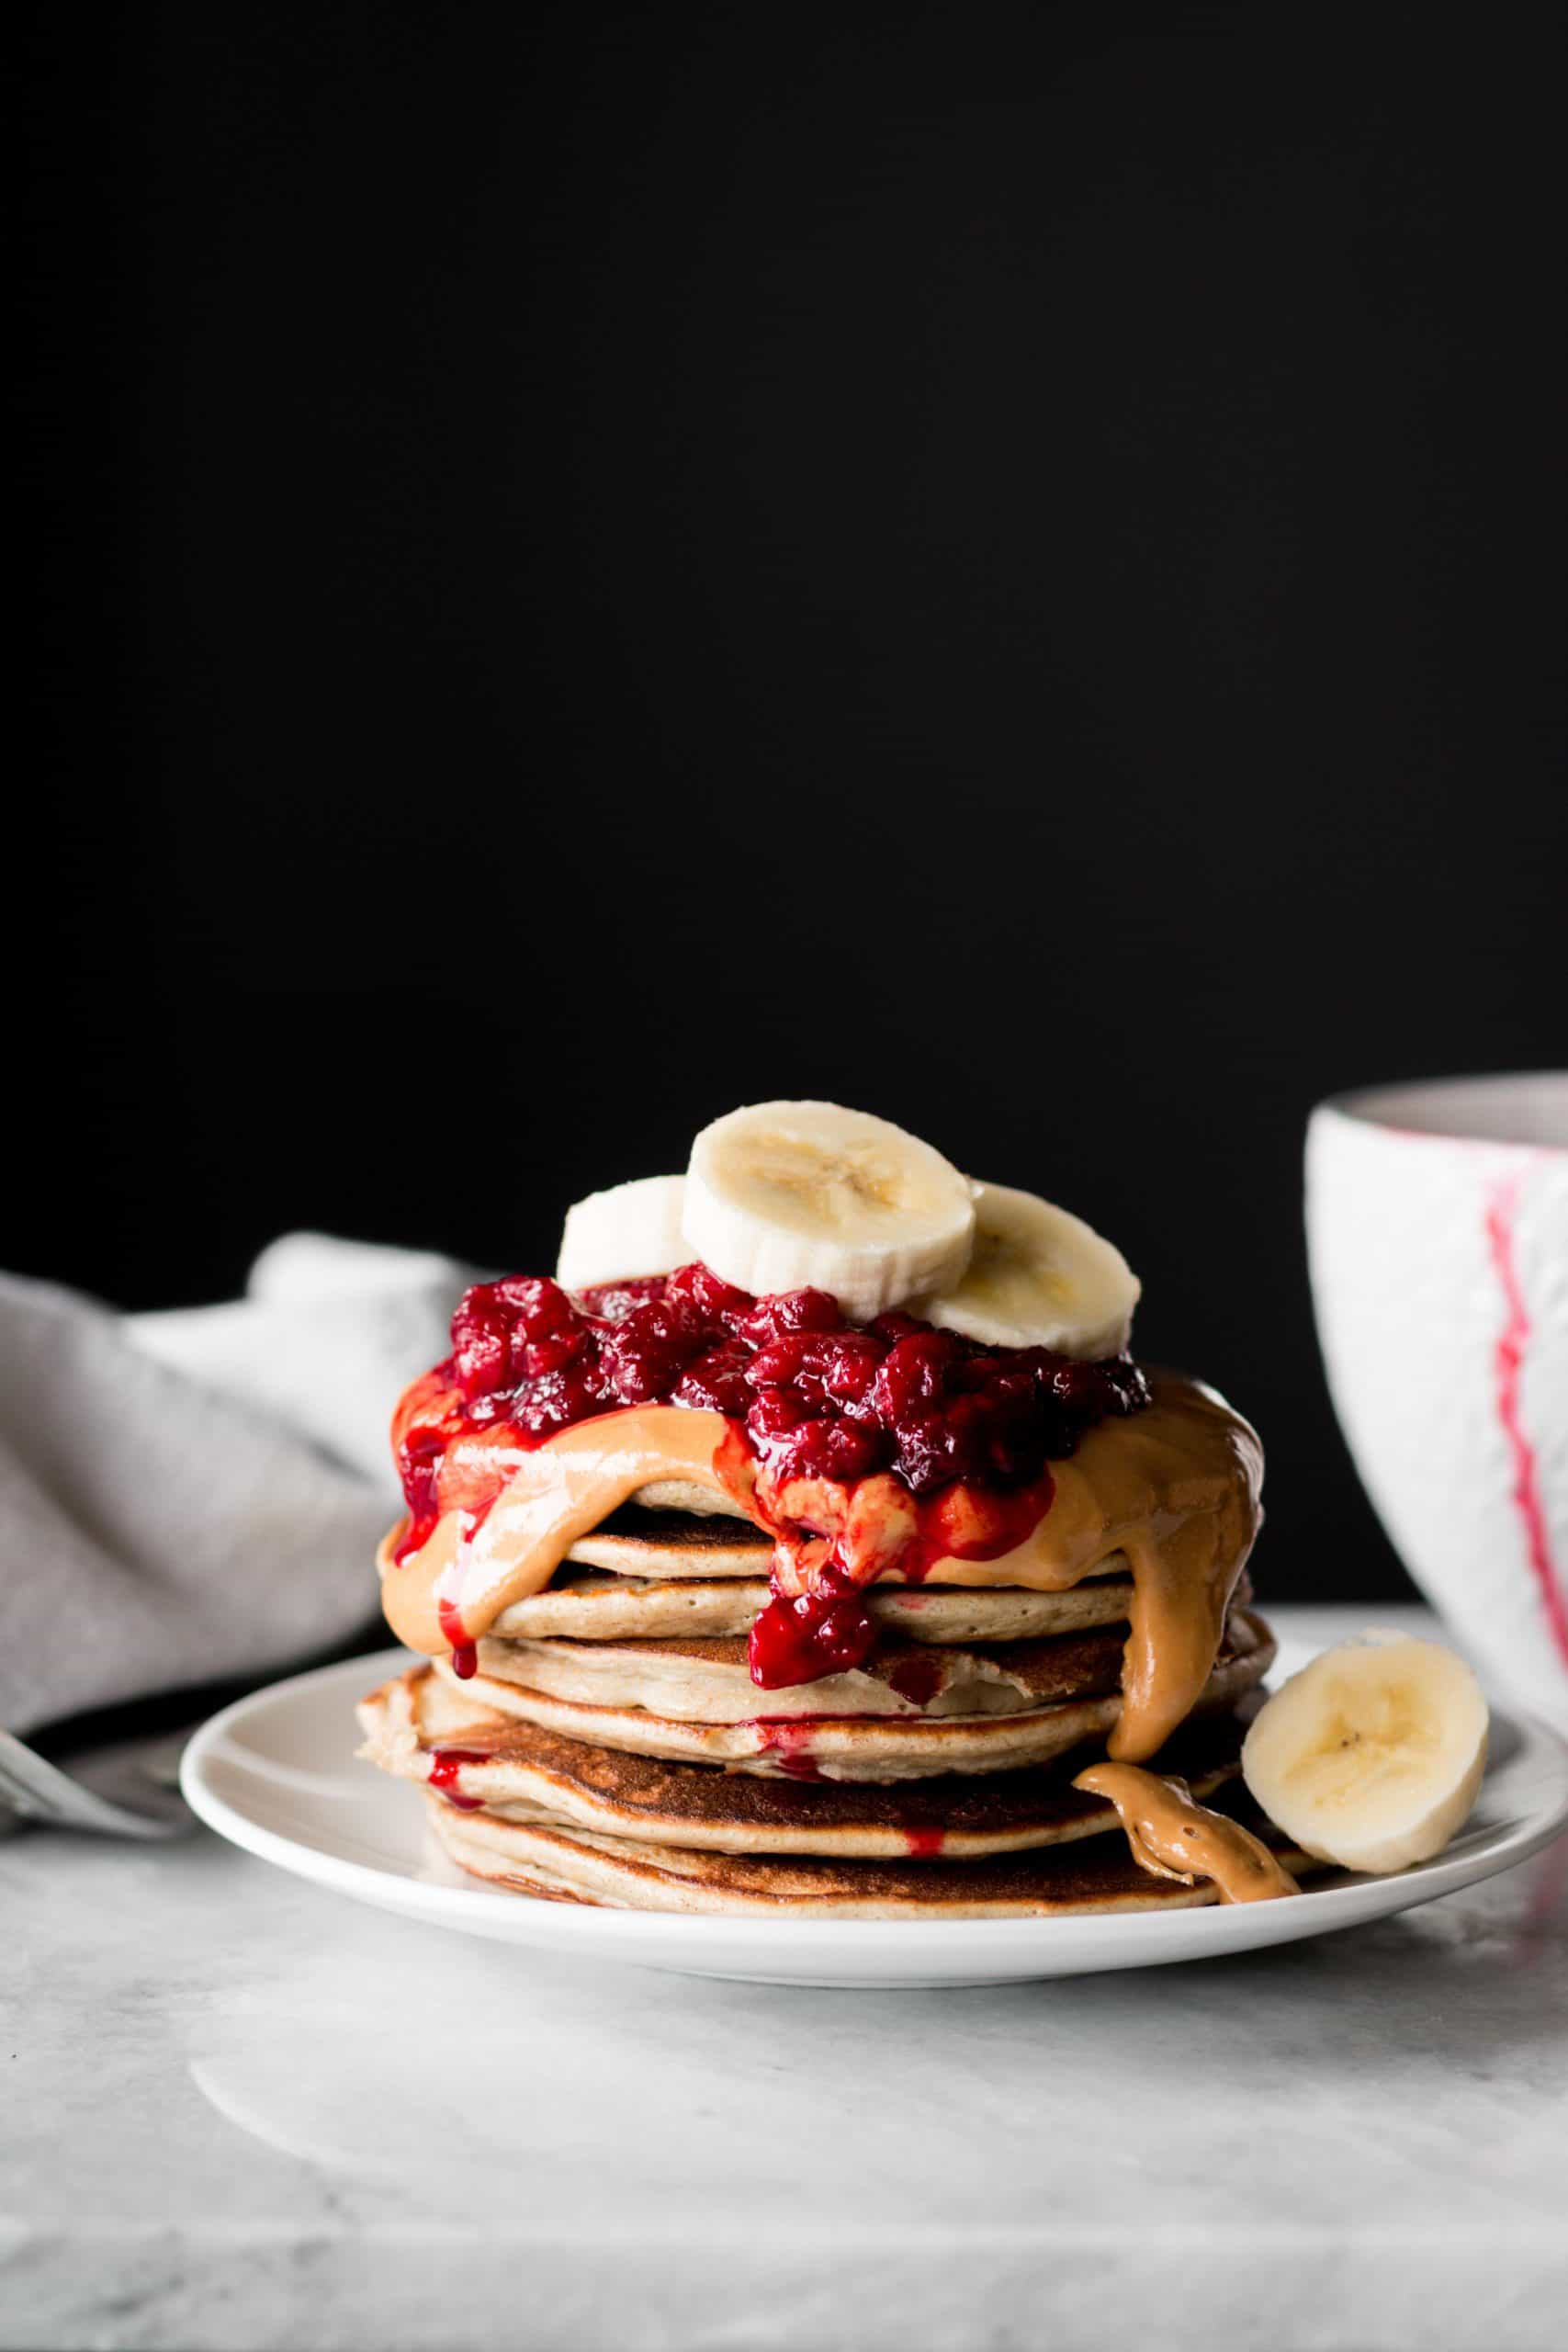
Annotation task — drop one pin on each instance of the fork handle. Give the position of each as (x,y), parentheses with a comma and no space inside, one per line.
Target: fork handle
(36,1790)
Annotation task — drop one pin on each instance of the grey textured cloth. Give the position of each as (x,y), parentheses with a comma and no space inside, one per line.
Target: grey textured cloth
(198,1494)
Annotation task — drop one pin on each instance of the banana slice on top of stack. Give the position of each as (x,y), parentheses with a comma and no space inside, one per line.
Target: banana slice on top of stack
(1038,1277)
(809,1195)
(631,1229)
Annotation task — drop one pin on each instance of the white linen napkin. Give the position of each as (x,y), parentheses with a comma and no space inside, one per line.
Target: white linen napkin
(198,1494)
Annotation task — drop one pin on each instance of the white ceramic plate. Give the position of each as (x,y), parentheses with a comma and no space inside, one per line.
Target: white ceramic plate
(276,1773)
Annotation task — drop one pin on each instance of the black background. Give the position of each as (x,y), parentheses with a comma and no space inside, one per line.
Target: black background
(1000,565)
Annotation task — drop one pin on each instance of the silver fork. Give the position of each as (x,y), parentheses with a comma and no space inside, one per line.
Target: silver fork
(32,1789)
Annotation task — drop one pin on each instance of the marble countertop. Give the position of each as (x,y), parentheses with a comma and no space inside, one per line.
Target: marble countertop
(240,2112)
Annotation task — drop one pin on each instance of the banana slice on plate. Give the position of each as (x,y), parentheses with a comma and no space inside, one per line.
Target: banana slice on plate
(1372,1754)
(631,1229)
(796,1196)
(1038,1277)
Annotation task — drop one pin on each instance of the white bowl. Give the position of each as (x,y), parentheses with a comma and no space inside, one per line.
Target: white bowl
(1438,1236)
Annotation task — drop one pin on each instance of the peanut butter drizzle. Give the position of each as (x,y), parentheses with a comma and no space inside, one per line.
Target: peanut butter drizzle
(1174,1838)
(556,1493)
(1174,1487)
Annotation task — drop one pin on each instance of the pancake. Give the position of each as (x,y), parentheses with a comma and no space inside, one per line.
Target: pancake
(858,1746)
(587,1604)
(684,1497)
(1083,1876)
(710,1682)
(687,1546)
(637,1542)
(522,1773)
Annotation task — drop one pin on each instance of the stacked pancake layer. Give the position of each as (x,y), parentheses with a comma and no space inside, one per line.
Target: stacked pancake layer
(610,1747)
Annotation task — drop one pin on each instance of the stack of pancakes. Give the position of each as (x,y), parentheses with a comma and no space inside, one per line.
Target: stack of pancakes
(610,1747)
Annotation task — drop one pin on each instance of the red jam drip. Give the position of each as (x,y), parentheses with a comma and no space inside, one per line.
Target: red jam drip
(787,1739)
(465,1653)
(925,1843)
(446,1763)
(916,1677)
(423,1427)
(968,1431)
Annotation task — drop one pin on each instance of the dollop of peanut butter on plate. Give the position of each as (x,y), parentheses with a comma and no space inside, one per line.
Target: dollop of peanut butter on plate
(1174,1837)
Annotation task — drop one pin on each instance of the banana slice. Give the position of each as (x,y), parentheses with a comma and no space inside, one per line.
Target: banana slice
(1372,1755)
(790,1195)
(1038,1278)
(630,1229)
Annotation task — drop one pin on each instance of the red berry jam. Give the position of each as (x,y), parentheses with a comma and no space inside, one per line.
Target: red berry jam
(854,1430)
(917,1677)
(788,1739)
(802,1636)
(465,1653)
(446,1763)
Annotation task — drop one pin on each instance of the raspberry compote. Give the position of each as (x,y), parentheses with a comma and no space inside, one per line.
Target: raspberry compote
(870,1447)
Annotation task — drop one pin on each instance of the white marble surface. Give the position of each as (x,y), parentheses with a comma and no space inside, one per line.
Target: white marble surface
(239,2113)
